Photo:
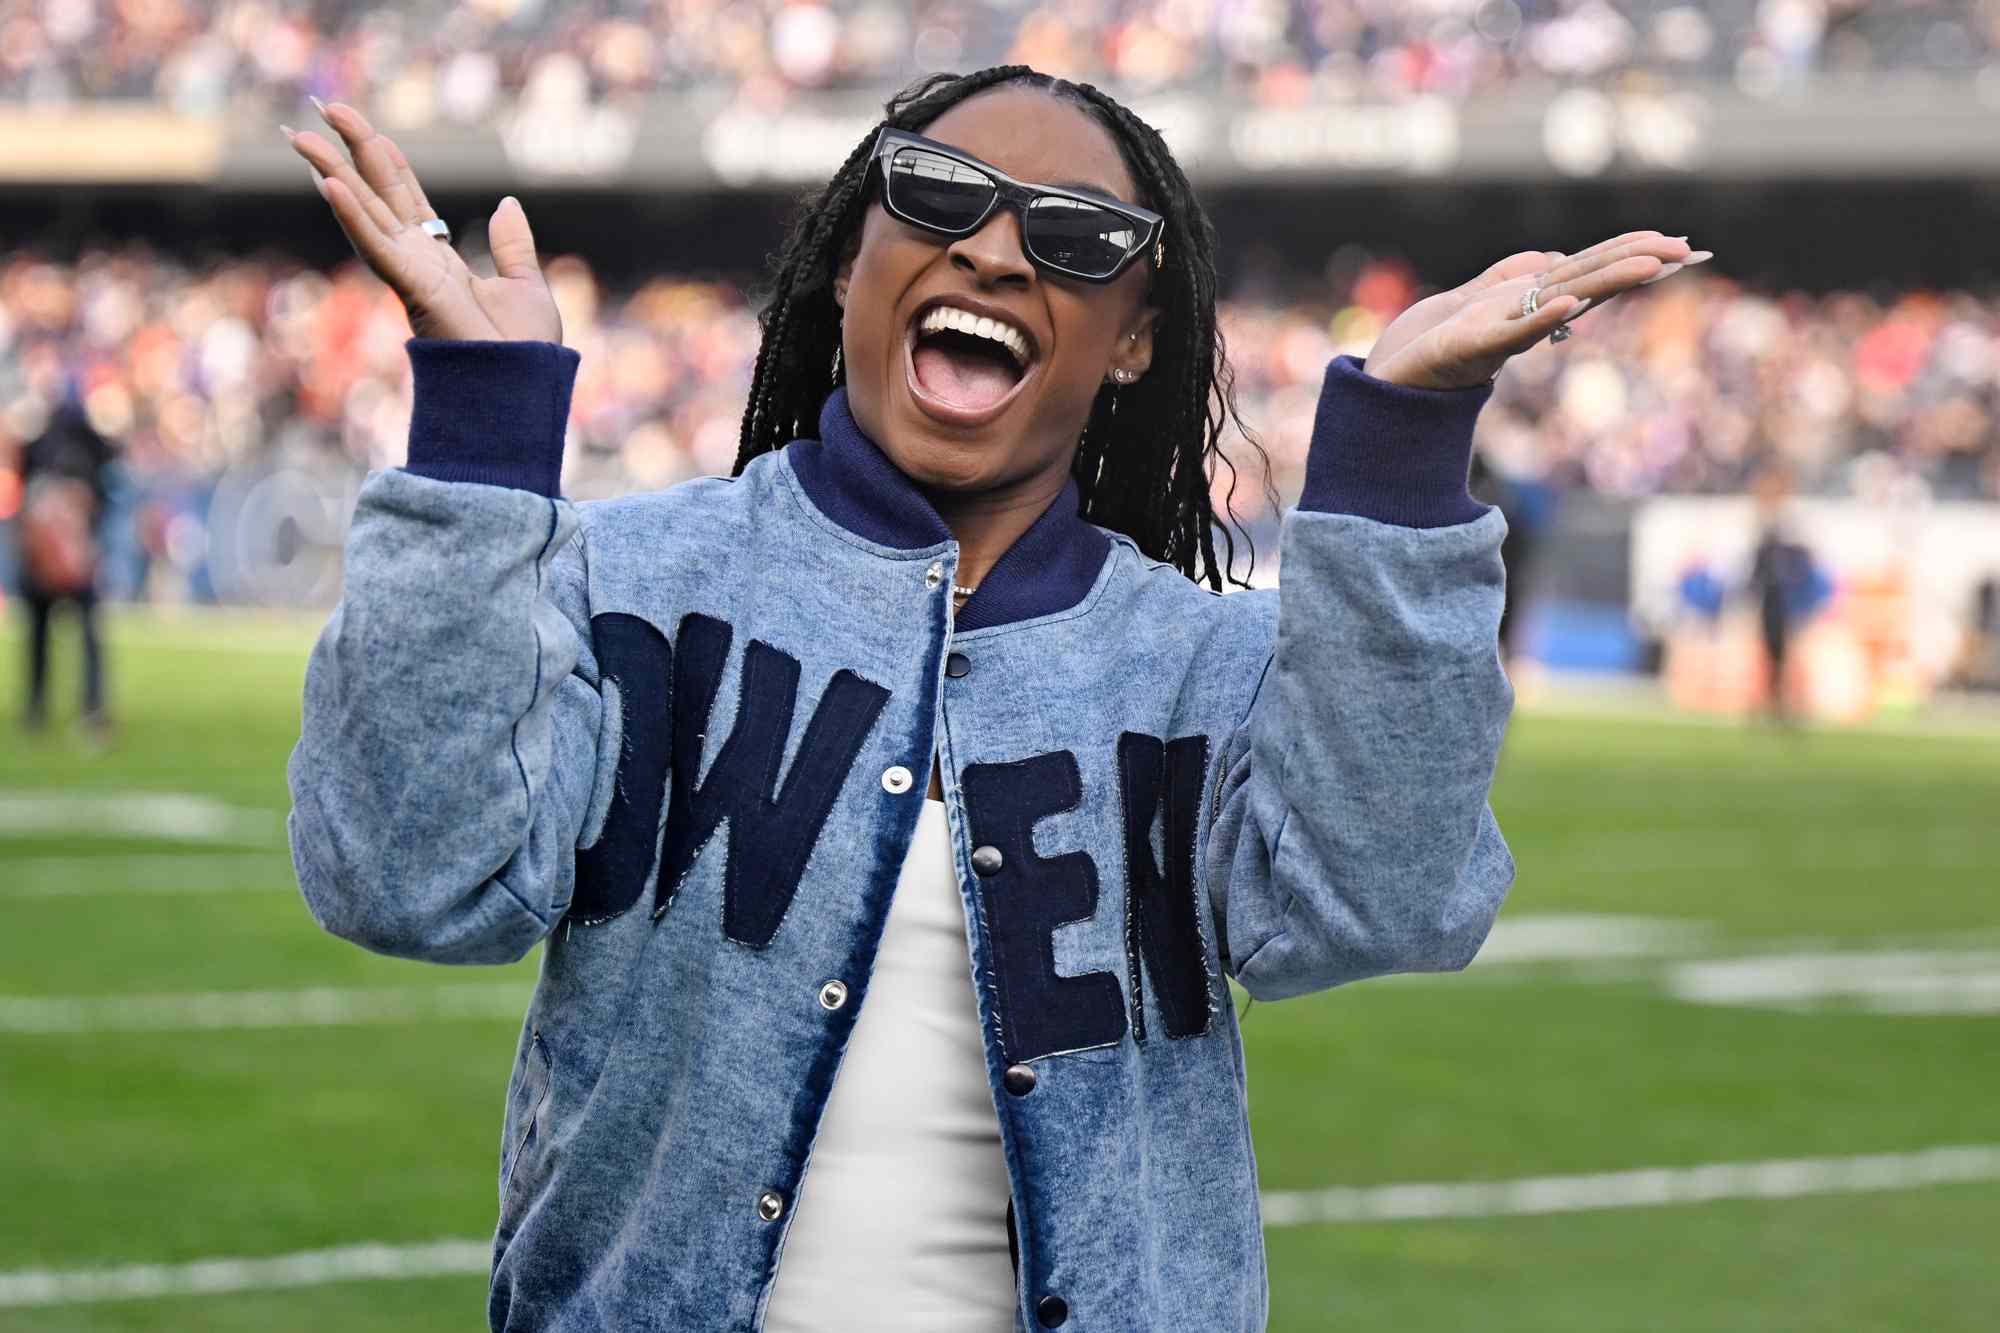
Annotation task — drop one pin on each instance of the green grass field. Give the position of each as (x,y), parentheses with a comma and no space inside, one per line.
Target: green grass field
(1651,999)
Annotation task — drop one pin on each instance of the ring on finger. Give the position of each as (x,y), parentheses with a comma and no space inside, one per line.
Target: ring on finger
(1531,303)
(438,229)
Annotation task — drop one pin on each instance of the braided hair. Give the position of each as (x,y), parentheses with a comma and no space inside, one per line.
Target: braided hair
(1148,449)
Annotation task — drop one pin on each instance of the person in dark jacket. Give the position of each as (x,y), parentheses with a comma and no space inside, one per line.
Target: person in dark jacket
(65,490)
(1786,584)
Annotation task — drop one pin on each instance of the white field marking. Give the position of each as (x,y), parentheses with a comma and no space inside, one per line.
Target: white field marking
(1906,981)
(214,1277)
(144,872)
(1535,1195)
(319,1007)
(170,816)
(1560,937)
(1650,1188)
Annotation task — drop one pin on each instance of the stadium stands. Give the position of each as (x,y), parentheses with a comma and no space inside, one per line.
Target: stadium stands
(1685,388)
(456,61)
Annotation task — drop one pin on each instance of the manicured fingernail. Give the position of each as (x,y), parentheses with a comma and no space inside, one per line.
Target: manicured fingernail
(1699,257)
(320,107)
(1666,272)
(290,133)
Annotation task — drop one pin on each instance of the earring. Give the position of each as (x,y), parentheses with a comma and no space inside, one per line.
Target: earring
(836,360)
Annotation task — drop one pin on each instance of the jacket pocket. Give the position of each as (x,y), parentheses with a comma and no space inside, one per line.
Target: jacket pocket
(528,1107)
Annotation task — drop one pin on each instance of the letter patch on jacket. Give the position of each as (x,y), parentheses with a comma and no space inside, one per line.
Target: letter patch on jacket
(1041,1012)
(612,872)
(1162,913)
(771,831)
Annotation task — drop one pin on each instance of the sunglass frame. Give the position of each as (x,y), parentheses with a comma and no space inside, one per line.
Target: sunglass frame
(1019,195)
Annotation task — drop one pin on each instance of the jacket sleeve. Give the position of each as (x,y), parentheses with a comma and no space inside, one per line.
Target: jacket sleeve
(1351,834)
(449,741)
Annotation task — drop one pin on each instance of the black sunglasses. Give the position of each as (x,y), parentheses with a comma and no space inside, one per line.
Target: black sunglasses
(1076,233)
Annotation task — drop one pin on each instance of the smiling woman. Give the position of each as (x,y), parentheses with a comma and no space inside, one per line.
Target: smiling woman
(867,1059)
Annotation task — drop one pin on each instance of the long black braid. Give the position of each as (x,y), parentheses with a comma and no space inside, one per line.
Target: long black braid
(1142,469)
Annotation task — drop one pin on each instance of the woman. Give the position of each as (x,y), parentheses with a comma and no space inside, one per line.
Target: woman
(680,736)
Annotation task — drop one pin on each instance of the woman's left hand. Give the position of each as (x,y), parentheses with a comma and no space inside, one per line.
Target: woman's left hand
(1459,339)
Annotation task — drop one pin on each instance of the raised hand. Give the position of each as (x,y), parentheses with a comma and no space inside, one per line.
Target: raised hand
(379,204)
(1461,338)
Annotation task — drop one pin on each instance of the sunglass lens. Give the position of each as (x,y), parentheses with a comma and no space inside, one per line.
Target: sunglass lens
(936,191)
(1078,237)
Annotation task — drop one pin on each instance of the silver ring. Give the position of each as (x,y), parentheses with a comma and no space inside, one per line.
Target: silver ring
(438,230)
(1560,332)
(1529,303)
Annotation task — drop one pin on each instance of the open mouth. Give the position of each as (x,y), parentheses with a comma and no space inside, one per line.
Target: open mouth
(964,367)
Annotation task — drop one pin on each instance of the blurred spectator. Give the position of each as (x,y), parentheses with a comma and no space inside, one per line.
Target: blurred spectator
(1692,386)
(1786,583)
(1978,667)
(458,60)
(64,488)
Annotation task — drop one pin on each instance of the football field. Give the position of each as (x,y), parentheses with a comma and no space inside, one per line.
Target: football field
(1731,1060)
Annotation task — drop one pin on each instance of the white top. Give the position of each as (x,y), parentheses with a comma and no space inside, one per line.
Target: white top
(901,1218)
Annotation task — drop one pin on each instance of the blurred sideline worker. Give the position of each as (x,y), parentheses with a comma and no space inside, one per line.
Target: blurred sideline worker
(1526,507)
(64,492)
(819,1052)
(1979,661)
(1785,582)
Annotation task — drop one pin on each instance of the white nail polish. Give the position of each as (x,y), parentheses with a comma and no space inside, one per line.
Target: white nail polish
(1666,272)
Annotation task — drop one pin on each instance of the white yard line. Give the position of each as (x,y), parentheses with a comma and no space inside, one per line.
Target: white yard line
(168,816)
(1650,1188)
(1658,1187)
(1902,981)
(214,1277)
(118,875)
(323,1006)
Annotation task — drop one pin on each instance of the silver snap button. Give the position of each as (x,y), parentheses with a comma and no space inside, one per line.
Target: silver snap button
(770,1205)
(987,860)
(895,779)
(934,575)
(833,994)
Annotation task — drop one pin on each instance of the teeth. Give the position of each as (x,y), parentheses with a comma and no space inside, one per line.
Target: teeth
(979,326)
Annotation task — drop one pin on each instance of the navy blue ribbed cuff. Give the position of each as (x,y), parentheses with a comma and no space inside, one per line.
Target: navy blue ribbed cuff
(1392,453)
(490,411)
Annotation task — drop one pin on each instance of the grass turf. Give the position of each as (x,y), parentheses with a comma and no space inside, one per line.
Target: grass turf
(137,1147)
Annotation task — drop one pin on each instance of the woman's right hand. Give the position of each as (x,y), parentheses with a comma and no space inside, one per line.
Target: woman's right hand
(378,203)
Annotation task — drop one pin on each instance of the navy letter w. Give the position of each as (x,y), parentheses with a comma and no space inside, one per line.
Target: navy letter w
(771,832)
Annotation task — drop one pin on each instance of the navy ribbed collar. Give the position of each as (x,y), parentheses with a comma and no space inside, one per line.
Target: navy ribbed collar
(850,480)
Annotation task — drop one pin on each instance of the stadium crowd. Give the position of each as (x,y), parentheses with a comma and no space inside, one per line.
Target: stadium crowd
(457,61)
(1689,387)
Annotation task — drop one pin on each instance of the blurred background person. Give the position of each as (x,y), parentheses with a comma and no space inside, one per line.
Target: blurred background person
(65,487)
(1786,584)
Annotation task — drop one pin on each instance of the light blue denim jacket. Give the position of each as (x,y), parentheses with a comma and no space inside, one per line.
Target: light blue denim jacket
(681,739)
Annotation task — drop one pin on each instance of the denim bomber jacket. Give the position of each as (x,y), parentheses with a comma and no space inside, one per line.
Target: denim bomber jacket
(681,739)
